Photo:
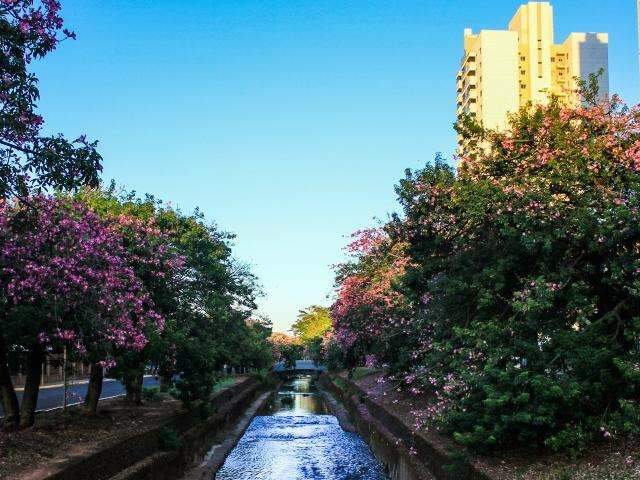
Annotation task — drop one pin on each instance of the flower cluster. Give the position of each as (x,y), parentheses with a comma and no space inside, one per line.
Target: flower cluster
(367,310)
(62,260)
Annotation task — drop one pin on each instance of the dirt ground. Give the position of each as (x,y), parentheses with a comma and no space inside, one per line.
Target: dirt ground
(57,436)
(608,461)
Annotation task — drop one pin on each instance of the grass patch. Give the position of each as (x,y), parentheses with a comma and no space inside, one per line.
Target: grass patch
(264,377)
(361,372)
(340,383)
(223,383)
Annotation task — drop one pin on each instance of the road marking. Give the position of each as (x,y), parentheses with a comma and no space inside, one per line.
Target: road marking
(79,403)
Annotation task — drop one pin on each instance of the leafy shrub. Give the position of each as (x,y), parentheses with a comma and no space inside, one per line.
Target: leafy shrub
(264,377)
(362,372)
(151,394)
(168,439)
(333,356)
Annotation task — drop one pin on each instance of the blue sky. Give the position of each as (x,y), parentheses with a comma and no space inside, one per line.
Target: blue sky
(287,121)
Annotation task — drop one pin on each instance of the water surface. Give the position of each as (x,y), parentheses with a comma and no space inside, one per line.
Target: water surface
(294,438)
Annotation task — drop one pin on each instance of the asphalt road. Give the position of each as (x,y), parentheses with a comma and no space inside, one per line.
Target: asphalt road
(51,397)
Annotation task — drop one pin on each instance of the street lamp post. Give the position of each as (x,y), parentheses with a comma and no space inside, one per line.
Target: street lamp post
(65,379)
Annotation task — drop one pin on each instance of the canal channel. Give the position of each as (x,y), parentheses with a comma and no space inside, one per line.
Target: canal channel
(294,437)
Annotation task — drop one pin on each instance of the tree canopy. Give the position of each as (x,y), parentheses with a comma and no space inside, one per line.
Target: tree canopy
(29,161)
(312,323)
(506,295)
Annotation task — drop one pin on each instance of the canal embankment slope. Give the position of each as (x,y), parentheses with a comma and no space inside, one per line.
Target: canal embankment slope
(389,440)
(159,440)
(383,415)
(209,462)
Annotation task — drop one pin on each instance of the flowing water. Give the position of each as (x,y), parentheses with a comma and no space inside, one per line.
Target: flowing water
(295,438)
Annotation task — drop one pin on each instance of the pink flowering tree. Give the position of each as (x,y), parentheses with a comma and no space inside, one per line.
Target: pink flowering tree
(519,283)
(156,264)
(66,278)
(30,29)
(285,348)
(369,311)
(153,257)
(204,295)
(524,279)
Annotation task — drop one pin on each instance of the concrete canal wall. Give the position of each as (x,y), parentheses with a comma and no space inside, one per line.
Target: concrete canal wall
(407,455)
(139,457)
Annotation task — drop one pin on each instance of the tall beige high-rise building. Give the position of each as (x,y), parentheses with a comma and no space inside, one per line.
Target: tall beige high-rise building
(502,70)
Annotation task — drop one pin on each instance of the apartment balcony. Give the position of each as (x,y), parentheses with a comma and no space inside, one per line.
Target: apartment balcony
(467,108)
(470,85)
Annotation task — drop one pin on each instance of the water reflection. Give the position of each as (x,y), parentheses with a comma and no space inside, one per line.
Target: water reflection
(293,438)
(297,397)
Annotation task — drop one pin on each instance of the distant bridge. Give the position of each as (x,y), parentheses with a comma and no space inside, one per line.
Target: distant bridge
(301,366)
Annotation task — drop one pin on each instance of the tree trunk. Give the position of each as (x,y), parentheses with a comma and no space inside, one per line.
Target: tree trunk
(165,382)
(133,386)
(8,395)
(31,387)
(94,389)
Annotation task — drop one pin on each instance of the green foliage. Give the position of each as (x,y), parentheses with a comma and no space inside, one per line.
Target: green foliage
(362,372)
(457,465)
(529,261)
(573,439)
(168,439)
(563,474)
(312,323)
(517,310)
(264,376)
(286,348)
(223,383)
(151,394)
(334,357)
(207,307)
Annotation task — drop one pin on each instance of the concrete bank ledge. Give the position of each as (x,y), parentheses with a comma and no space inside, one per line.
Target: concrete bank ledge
(407,455)
(138,457)
(226,442)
